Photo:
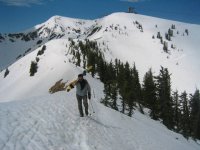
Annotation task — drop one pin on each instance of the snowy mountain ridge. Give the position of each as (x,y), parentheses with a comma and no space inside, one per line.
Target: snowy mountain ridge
(128,37)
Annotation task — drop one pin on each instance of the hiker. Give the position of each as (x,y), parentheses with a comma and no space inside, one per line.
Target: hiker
(83,91)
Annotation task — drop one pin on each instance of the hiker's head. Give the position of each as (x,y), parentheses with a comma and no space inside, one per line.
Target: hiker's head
(80,77)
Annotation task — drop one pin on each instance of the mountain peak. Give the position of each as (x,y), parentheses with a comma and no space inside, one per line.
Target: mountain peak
(129,37)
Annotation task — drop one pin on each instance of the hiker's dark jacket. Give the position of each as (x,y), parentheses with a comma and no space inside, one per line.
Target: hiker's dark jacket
(82,88)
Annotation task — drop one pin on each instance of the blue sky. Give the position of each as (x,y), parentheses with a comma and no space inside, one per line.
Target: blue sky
(19,15)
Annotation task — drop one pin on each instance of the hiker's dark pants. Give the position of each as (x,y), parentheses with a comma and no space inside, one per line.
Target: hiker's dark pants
(85,103)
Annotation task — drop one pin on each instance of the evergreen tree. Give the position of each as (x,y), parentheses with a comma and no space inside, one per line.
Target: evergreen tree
(197,132)
(101,69)
(78,57)
(33,68)
(170,32)
(117,63)
(173,26)
(136,88)
(122,83)
(149,94)
(91,62)
(186,31)
(107,97)
(110,87)
(195,114)
(6,72)
(165,47)
(40,52)
(114,95)
(129,93)
(158,35)
(176,108)
(164,97)
(111,71)
(185,118)
(161,40)
(136,84)
(167,36)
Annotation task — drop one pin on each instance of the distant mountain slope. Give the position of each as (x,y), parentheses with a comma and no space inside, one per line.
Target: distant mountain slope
(128,37)
(15,45)
(133,38)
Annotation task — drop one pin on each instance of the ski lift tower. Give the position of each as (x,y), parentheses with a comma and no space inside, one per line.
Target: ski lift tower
(131,10)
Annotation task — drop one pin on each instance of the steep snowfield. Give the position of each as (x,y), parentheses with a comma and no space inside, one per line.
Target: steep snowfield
(52,122)
(126,42)
(52,66)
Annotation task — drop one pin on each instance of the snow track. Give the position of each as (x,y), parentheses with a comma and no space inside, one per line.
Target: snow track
(52,122)
(36,124)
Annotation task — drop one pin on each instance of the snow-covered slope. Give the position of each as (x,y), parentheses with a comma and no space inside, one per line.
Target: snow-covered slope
(13,46)
(127,37)
(121,34)
(53,123)
(53,65)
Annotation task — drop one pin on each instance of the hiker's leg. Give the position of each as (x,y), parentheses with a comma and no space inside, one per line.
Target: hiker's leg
(85,103)
(79,99)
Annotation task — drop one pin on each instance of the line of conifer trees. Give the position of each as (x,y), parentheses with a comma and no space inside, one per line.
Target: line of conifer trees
(124,92)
